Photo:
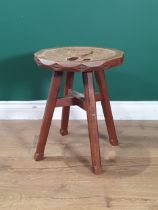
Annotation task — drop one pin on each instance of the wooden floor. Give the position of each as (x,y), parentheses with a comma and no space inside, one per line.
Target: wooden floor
(64,181)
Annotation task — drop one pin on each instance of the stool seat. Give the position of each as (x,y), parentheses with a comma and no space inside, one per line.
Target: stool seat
(78,58)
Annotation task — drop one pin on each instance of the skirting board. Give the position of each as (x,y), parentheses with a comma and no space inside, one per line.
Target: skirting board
(122,110)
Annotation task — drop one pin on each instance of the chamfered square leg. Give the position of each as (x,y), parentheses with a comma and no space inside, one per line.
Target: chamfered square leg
(66,109)
(92,121)
(100,77)
(51,101)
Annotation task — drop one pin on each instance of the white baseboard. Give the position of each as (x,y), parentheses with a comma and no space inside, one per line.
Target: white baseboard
(122,110)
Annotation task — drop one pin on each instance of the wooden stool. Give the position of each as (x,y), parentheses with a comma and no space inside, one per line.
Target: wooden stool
(90,61)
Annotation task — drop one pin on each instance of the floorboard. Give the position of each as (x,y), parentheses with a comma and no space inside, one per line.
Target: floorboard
(64,181)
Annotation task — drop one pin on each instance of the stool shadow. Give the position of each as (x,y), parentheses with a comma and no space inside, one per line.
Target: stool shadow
(74,160)
(130,158)
(21,78)
(83,160)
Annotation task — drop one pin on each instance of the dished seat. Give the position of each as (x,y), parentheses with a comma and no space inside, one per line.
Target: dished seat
(78,58)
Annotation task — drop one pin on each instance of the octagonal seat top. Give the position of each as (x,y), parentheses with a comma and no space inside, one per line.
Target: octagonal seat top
(78,58)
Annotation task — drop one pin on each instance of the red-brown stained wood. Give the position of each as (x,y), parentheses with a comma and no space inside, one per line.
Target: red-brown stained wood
(65,101)
(106,107)
(74,98)
(66,110)
(92,121)
(53,93)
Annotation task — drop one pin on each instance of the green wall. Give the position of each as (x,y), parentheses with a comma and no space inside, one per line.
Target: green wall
(129,25)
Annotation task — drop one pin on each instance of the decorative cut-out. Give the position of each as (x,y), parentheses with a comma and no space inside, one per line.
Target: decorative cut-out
(72,58)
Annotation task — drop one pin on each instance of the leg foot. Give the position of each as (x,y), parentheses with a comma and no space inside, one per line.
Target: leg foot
(97,170)
(38,156)
(114,142)
(63,132)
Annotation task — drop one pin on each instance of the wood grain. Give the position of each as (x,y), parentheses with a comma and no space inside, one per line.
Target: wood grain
(63,180)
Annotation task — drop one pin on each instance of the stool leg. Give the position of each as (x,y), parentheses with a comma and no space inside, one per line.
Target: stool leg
(66,110)
(100,77)
(92,121)
(51,101)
